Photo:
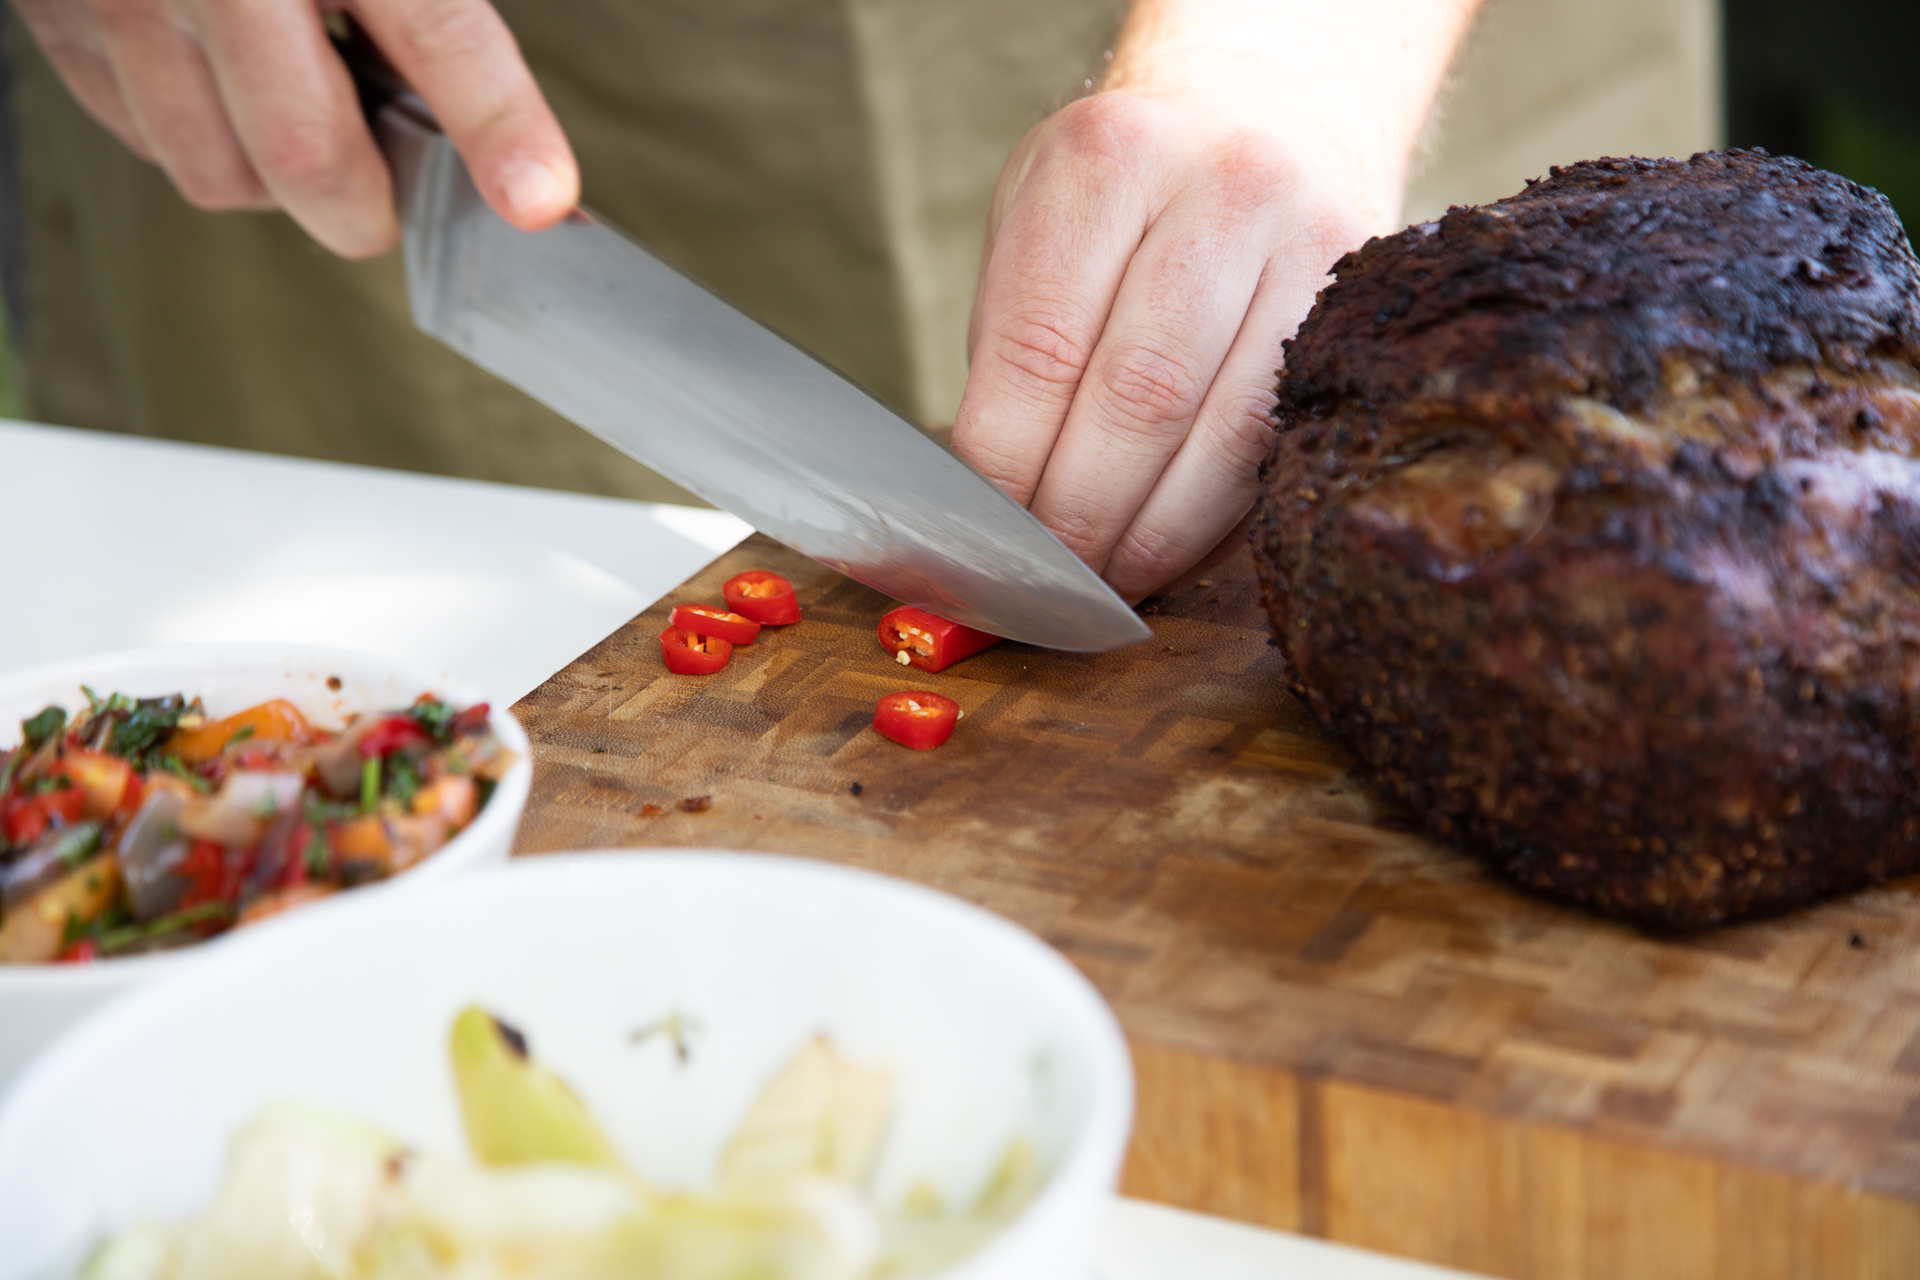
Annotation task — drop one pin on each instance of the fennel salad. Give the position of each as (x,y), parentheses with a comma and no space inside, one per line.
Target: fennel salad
(312,1194)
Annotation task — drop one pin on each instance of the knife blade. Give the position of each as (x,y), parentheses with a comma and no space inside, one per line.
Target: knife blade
(595,326)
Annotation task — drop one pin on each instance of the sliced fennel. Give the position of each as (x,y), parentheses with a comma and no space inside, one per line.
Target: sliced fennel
(311,1195)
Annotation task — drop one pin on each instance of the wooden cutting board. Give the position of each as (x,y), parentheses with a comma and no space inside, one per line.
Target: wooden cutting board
(1340,1027)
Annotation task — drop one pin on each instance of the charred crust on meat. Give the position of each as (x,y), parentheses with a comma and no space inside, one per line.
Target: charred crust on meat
(1597,276)
(1593,527)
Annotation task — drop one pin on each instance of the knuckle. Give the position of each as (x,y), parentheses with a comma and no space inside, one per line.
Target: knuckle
(1147,556)
(1253,173)
(1003,467)
(1327,229)
(306,155)
(1109,118)
(1042,347)
(1108,130)
(218,193)
(1149,387)
(1240,432)
(117,11)
(59,31)
(443,31)
(1080,528)
(203,191)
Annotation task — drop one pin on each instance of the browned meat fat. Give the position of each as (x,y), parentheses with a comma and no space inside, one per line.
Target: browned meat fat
(1593,526)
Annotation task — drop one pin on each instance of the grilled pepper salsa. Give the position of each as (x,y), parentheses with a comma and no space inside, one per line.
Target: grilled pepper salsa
(145,824)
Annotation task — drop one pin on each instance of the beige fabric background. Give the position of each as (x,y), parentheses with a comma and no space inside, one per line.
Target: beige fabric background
(1546,82)
(826,163)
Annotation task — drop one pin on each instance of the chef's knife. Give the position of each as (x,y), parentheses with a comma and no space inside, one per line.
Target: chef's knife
(593,325)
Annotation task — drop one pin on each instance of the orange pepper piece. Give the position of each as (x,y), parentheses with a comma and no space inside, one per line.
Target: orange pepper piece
(363,840)
(275,721)
(103,781)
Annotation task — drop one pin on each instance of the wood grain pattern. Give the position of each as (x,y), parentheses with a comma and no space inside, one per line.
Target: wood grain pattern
(1340,1026)
(1215,1135)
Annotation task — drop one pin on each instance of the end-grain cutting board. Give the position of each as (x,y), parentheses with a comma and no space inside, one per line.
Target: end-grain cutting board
(1340,1027)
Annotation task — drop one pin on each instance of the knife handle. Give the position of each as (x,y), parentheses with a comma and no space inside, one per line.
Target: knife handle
(374,78)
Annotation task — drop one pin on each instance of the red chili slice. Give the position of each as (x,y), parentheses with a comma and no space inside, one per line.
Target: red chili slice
(765,597)
(688,653)
(393,734)
(917,718)
(928,641)
(701,620)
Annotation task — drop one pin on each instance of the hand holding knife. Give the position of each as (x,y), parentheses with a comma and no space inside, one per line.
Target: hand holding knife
(596,327)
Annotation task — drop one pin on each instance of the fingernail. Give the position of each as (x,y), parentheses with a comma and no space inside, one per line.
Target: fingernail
(531,190)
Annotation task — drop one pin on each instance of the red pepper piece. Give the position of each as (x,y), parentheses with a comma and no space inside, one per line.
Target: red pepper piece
(688,653)
(471,721)
(25,819)
(395,733)
(705,621)
(930,642)
(917,718)
(296,871)
(767,598)
(131,798)
(214,873)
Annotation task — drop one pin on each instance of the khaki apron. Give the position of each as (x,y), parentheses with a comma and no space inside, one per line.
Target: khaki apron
(827,164)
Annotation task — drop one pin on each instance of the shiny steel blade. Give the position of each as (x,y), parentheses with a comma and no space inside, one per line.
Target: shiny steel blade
(597,328)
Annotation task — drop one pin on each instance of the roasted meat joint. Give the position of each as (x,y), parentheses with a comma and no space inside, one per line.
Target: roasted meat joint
(1593,526)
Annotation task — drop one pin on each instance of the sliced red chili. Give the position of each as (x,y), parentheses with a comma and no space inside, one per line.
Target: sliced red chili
(395,733)
(767,598)
(705,621)
(917,718)
(688,653)
(928,641)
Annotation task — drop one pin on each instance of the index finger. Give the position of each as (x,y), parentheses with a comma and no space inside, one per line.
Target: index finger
(298,119)
(460,56)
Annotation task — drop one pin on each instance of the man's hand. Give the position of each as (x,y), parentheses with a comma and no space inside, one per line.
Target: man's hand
(1151,246)
(246,106)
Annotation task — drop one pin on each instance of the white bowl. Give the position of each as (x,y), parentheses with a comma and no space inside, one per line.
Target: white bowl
(38,1001)
(989,1034)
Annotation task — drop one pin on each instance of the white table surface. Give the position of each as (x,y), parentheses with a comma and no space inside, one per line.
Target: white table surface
(118,542)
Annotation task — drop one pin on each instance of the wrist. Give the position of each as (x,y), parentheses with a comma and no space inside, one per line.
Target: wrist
(1345,88)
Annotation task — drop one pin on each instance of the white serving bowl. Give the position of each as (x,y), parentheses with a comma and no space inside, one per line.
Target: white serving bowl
(39,1001)
(989,1035)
